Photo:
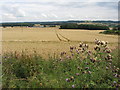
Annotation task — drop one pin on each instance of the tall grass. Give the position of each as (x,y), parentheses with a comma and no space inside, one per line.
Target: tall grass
(78,68)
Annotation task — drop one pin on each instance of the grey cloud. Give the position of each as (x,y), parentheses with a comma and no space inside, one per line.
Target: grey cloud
(45,11)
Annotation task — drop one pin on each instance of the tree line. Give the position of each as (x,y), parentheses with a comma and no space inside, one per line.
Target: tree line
(16,24)
(84,26)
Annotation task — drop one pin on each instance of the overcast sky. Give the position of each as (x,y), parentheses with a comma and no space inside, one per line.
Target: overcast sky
(57,10)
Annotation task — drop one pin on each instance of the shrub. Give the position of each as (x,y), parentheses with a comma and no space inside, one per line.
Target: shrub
(115,30)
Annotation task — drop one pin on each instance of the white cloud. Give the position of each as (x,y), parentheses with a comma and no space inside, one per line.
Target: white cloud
(44,15)
(54,15)
(49,10)
(59,1)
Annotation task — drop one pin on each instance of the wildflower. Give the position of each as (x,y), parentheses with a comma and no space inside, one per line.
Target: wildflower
(109,60)
(86,45)
(106,42)
(40,84)
(67,80)
(63,53)
(84,72)
(118,85)
(78,68)
(61,59)
(77,74)
(5,57)
(83,49)
(97,41)
(103,43)
(79,49)
(92,60)
(89,72)
(71,48)
(73,86)
(114,82)
(81,44)
(117,69)
(109,57)
(77,52)
(72,54)
(97,48)
(69,57)
(107,68)
(86,63)
(72,78)
(115,75)
(71,51)
(89,52)
(108,51)
(86,68)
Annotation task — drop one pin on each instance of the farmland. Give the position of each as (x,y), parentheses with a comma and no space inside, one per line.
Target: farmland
(58,58)
(45,40)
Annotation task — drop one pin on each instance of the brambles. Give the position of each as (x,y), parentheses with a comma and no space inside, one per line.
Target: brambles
(78,68)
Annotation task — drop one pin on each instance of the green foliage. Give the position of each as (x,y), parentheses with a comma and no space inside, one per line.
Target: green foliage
(115,30)
(69,26)
(79,68)
(84,26)
(17,24)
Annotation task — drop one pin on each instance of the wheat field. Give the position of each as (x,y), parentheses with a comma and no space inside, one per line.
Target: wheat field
(49,40)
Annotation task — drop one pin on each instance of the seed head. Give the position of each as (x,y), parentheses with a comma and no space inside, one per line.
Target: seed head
(41,84)
(97,48)
(108,51)
(81,44)
(107,68)
(78,68)
(86,68)
(72,78)
(103,43)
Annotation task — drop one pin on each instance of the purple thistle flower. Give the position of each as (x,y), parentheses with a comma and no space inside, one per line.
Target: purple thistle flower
(67,80)
(77,74)
(73,86)
(114,82)
(71,48)
(72,54)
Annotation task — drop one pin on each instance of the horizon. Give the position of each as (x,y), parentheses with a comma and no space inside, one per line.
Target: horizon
(59,21)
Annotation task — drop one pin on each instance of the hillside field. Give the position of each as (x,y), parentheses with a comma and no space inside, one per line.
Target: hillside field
(45,40)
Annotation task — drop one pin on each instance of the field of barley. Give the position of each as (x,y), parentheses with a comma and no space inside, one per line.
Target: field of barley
(47,40)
